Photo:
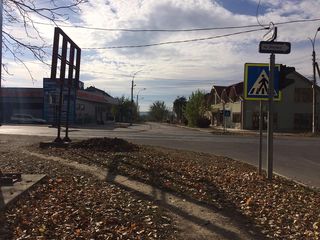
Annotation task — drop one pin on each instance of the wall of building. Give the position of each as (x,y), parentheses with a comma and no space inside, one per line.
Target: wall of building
(22,101)
(92,112)
(234,121)
(287,111)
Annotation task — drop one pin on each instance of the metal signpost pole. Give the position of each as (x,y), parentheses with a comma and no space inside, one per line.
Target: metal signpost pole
(1,100)
(270,118)
(314,92)
(260,137)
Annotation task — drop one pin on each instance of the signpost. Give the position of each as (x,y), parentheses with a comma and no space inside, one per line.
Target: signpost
(256,82)
(272,48)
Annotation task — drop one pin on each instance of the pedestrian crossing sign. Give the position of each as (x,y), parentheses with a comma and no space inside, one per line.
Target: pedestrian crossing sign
(256,81)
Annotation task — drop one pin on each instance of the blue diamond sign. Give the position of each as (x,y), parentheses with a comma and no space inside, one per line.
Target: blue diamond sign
(256,81)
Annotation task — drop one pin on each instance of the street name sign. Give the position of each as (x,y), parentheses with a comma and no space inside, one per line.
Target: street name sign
(274,47)
(256,81)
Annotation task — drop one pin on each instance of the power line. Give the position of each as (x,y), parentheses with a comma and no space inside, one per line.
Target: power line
(151,30)
(179,30)
(175,42)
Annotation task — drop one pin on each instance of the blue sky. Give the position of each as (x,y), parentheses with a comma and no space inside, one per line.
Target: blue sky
(168,71)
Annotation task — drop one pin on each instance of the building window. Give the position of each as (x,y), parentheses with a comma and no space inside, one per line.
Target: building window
(303,95)
(302,121)
(236,117)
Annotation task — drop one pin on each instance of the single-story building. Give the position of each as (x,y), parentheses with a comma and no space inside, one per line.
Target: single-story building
(21,101)
(292,113)
(90,105)
(94,105)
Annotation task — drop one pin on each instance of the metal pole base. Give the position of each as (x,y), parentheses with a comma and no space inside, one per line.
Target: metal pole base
(58,140)
(66,139)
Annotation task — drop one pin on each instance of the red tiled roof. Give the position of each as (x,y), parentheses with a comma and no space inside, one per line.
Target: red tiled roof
(90,96)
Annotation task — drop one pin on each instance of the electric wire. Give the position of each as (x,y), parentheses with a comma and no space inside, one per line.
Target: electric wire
(180,30)
(150,30)
(174,42)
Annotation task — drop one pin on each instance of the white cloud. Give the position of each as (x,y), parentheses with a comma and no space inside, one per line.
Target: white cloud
(219,60)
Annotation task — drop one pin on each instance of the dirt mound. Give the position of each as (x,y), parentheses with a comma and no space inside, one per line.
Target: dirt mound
(106,145)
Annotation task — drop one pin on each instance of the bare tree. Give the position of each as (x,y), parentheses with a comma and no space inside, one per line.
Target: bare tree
(26,13)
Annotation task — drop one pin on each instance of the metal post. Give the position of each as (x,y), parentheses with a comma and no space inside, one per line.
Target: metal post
(132,84)
(1,99)
(260,137)
(314,98)
(62,80)
(137,101)
(270,118)
(70,85)
(224,118)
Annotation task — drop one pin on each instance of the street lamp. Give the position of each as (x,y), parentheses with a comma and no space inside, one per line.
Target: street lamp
(314,98)
(142,89)
(132,86)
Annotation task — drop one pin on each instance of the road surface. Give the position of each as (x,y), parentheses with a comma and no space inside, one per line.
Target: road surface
(294,157)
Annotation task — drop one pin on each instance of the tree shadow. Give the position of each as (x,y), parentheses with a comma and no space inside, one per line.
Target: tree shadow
(1,199)
(180,202)
(5,231)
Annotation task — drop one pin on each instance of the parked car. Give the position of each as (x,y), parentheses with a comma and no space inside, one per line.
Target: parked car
(26,118)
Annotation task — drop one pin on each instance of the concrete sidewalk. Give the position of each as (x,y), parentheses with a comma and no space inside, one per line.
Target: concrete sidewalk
(10,193)
(221,130)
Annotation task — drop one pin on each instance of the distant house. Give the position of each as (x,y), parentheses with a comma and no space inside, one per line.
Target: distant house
(94,105)
(293,112)
(90,105)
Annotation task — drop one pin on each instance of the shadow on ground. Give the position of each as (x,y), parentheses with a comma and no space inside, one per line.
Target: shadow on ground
(202,220)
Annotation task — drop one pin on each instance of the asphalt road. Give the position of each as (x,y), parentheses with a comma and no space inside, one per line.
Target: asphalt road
(294,157)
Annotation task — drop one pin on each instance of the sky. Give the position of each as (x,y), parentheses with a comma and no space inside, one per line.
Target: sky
(170,70)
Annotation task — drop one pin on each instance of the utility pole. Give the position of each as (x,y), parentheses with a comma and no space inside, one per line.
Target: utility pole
(132,86)
(314,84)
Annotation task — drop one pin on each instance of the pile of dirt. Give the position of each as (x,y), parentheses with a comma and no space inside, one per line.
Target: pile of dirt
(106,145)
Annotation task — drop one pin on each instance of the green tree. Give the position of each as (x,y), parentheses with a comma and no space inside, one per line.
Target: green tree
(179,107)
(122,111)
(195,108)
(158,111)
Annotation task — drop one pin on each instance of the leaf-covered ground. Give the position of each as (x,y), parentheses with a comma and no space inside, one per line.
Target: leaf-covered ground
(282,209)
(71,204)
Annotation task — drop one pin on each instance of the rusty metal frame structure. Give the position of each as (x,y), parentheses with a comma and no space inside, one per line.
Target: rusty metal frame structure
(73,63)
